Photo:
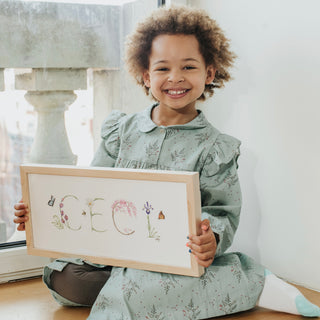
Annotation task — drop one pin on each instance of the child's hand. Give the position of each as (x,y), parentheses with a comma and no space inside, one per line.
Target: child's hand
(204,246)
(21,214)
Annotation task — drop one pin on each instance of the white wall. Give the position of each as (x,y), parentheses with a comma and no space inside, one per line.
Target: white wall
(272,105)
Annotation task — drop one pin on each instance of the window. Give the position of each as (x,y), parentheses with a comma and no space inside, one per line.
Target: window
(17,127)
(18,124)
(43,59)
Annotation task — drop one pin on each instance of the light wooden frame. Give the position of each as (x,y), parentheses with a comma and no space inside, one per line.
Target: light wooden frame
(37,181)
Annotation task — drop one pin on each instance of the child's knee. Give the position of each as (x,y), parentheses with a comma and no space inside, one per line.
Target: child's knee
(79,283)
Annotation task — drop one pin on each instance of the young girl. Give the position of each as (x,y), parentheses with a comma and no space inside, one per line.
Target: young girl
(179,55)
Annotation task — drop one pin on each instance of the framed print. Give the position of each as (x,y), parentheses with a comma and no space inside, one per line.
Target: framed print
(120,217)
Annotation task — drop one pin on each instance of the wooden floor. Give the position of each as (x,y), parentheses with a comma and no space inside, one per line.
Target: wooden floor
(31,300)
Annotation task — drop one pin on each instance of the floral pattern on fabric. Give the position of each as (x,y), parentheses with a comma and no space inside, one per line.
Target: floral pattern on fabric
(234,281)
(173,297)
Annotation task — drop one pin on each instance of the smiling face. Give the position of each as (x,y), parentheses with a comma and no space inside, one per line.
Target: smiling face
(177,73)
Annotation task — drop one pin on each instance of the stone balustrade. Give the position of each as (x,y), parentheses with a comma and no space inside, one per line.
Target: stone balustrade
(50,91)
(51,46)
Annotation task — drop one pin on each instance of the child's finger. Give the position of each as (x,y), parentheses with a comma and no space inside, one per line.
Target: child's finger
(20,213)
(208,237)
(21,227)
(200,249)
(205,226)
(206,256)
(205,263)
(20,206)
(21,219)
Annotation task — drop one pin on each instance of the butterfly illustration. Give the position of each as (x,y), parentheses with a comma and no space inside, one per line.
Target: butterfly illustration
(161,216)
(51,201)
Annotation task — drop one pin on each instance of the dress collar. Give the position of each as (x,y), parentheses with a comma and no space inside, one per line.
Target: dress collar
(145,124)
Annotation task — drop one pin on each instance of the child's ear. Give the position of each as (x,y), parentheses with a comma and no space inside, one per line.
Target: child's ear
(146,78)
(211,72)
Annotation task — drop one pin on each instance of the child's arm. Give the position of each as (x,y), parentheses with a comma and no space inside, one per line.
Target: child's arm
(220,190)
(204,246)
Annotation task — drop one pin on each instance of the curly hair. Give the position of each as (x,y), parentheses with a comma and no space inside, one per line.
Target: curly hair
(213,44)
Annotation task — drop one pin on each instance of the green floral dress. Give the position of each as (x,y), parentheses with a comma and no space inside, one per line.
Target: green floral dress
(234,281)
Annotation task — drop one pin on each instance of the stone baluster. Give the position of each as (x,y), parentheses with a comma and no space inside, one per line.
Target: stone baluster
(50,91)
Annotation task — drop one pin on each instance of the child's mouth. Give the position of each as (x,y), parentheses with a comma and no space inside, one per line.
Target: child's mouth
(176,93)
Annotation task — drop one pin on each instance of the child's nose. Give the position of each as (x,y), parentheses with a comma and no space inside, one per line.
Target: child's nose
(175,76)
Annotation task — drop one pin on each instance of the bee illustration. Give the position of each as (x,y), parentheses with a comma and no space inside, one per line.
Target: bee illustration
(51,201)
(161,216)
(83,213)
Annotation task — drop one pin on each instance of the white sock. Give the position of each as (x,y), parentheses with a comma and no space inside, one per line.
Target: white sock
(278,295)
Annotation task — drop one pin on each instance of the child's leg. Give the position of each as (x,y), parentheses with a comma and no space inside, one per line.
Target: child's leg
(281,296)
(80,283)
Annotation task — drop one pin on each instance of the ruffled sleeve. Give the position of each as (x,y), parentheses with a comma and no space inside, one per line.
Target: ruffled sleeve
(220,190)
(108,150)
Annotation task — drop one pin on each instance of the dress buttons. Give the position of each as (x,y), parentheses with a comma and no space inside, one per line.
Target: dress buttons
(162,130)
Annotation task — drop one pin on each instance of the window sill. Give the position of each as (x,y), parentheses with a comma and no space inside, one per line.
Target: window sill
(16,264)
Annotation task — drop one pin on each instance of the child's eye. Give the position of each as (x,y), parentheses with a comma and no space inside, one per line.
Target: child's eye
(162,69)
(189,67)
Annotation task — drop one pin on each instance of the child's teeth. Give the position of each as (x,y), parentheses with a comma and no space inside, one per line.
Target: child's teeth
(176,92)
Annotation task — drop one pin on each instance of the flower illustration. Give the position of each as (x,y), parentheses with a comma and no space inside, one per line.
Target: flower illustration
(154,314)
(64,218)
(152,233)
(147,207)
(90,204)
(191,311)
(123,207)
(228,306)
